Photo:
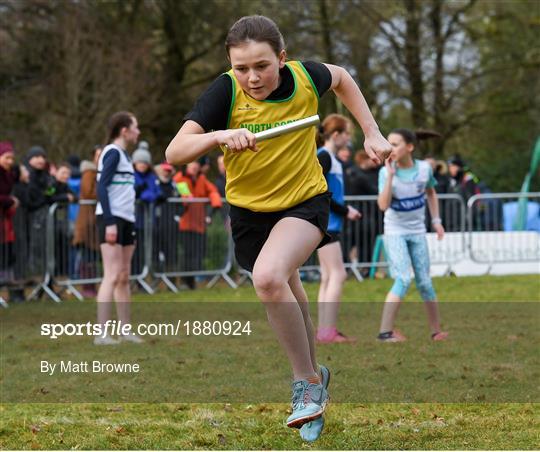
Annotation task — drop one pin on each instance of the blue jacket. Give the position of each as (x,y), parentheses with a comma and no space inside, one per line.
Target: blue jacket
(146,190)
(334,179)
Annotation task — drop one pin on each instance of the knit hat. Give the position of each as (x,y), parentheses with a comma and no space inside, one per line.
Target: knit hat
(6,147)
(142,154)
(36,151)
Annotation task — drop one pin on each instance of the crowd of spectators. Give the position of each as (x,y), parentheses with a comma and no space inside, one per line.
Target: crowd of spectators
(30,186)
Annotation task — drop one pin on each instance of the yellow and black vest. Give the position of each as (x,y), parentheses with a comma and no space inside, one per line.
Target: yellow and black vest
(285,171)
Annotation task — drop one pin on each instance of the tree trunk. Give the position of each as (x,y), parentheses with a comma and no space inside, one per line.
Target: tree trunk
(413,61)
(438,93)
(328,49)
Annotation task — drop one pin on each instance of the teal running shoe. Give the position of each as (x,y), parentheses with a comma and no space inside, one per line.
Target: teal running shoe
(325,376)
(311,431)
(308,402)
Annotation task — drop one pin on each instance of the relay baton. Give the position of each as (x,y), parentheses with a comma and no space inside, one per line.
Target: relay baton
(288,128)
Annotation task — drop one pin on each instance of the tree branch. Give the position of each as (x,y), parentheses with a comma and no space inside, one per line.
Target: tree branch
(380,20)
(200,80)
(454,127)
(194,57)
(456,17)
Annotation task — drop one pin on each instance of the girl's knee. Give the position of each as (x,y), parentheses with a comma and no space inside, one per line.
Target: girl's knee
(118,278)
(267,281)
(123,277)
(324,278)
(334,276)
(426,291)
(425,286)
(111,278)
(341,275)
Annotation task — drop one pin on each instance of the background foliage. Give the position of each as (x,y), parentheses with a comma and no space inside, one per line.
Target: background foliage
(466,68)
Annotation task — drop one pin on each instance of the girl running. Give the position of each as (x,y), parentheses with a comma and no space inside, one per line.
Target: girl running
(404,185)
(336,133)
(278,195)
(115,217)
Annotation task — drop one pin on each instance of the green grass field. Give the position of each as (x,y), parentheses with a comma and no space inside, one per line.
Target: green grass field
(477,391)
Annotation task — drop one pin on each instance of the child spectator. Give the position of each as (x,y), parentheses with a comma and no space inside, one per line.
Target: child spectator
(405,186)
(336,131)
(85,237)
(63,195)
(193,222)
(146,193)
(166,220)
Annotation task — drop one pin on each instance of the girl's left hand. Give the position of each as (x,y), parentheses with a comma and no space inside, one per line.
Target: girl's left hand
(377,147)
(439,229)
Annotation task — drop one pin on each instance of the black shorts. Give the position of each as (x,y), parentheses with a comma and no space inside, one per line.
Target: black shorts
(126,231)
(250,230)
(334,236)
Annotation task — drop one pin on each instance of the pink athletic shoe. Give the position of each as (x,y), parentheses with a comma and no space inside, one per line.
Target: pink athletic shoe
(440,336)
(334,337)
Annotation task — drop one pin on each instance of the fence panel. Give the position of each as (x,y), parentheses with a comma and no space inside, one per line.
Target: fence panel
(362,242)
(191,240)
(491,228)
(55,253)
(359,238)
(73,256)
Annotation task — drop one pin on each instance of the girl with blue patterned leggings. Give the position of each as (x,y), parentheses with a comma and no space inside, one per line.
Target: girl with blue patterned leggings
(404,186)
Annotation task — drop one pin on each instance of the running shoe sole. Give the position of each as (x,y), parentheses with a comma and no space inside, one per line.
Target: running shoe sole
(298,422)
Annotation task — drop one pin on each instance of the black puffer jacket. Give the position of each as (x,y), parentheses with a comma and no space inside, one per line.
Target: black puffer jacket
(40,189)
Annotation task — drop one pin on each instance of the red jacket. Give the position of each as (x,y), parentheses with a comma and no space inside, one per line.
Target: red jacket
(7,210)
(194,217)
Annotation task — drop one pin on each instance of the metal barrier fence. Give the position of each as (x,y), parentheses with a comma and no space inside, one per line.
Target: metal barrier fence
(198,246)
(166,248)
(72,252)
(361,241)
(53,254)
(492,237)
(22,250)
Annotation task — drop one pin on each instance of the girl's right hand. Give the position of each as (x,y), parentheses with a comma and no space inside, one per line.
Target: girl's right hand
(238,140)
(390,166)
(111,234)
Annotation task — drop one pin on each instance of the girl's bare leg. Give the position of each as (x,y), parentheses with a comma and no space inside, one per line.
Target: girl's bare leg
(390,310)
(112,264)
(331,260)
(122,293)
(288,246)
(301,297)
